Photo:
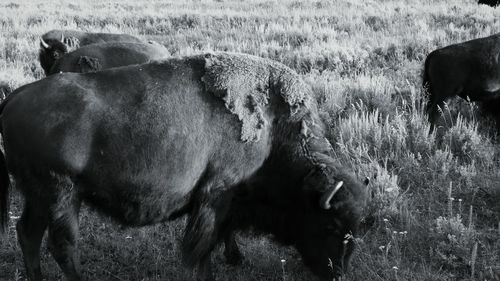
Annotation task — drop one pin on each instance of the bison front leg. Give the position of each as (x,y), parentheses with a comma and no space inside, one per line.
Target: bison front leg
(63,229)
(203,229)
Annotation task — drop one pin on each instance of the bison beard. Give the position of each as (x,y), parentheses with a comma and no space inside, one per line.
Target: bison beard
(147,143)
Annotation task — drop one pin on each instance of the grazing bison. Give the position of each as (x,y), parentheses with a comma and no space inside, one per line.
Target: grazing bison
(492,3)
(470,70)
(232,140)
(102,56)
(55,43)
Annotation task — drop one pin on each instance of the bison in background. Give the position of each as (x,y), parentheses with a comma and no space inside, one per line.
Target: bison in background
(492,3)
(55,43)
(232,140)
(470,70)
(95,57)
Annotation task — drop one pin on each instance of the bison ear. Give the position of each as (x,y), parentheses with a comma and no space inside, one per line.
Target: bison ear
(89,64)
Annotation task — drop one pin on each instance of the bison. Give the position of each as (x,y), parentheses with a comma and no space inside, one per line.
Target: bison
(470,70)
(492,3)
(102,56)
(232,140)
(55,43)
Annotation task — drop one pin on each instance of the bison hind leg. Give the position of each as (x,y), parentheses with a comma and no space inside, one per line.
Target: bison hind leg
(63,228)
(30,229)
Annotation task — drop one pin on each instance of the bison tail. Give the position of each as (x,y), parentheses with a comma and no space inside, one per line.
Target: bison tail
(426,82)
(4,194)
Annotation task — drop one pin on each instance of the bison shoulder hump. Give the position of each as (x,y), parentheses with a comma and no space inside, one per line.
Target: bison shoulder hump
(245,83)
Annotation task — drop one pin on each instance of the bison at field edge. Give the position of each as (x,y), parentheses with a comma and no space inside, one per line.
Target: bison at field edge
(492,3)
(233,140)
(470,70)
(95,57)
(55,43)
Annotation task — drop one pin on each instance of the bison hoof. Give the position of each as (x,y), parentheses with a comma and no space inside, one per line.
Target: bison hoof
(233,257)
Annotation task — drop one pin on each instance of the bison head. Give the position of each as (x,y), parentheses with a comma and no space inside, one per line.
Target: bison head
(324,233)
(50,51)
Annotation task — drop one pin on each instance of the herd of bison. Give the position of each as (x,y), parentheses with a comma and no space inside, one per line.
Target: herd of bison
(232,141)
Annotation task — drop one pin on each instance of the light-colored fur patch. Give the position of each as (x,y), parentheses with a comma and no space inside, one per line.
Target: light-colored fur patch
(246,82)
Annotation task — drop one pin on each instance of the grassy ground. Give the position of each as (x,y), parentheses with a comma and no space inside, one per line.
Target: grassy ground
(434,213)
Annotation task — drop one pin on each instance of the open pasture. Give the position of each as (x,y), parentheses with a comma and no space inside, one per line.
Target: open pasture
(434,211)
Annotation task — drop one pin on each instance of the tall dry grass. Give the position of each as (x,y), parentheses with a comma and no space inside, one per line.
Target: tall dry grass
(363,60)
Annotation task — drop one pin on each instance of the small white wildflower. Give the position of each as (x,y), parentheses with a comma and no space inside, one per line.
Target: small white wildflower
(381,248)
(386,220)
(283,261)
(395,268)
(128,237)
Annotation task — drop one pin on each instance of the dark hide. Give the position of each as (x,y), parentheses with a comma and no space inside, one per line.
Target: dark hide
(470,70)
(88,64)
(49,55)
(107,55)
(492,3)
(75,39)
(146,143)
(72,40)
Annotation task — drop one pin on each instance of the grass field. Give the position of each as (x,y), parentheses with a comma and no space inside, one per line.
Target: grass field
(434,212)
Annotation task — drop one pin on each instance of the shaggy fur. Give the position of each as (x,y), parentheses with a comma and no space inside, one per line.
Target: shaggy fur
(244,82)
(148,143)
(470,70)
(88,64)
(95,57)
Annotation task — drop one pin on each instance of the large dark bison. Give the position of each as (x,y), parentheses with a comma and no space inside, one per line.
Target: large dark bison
(102,56)
(55,43)
(232,140)
(492,3)
(470,70)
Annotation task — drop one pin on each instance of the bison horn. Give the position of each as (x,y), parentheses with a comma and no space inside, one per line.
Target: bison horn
(44,44)
(62,37)
(325,199)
